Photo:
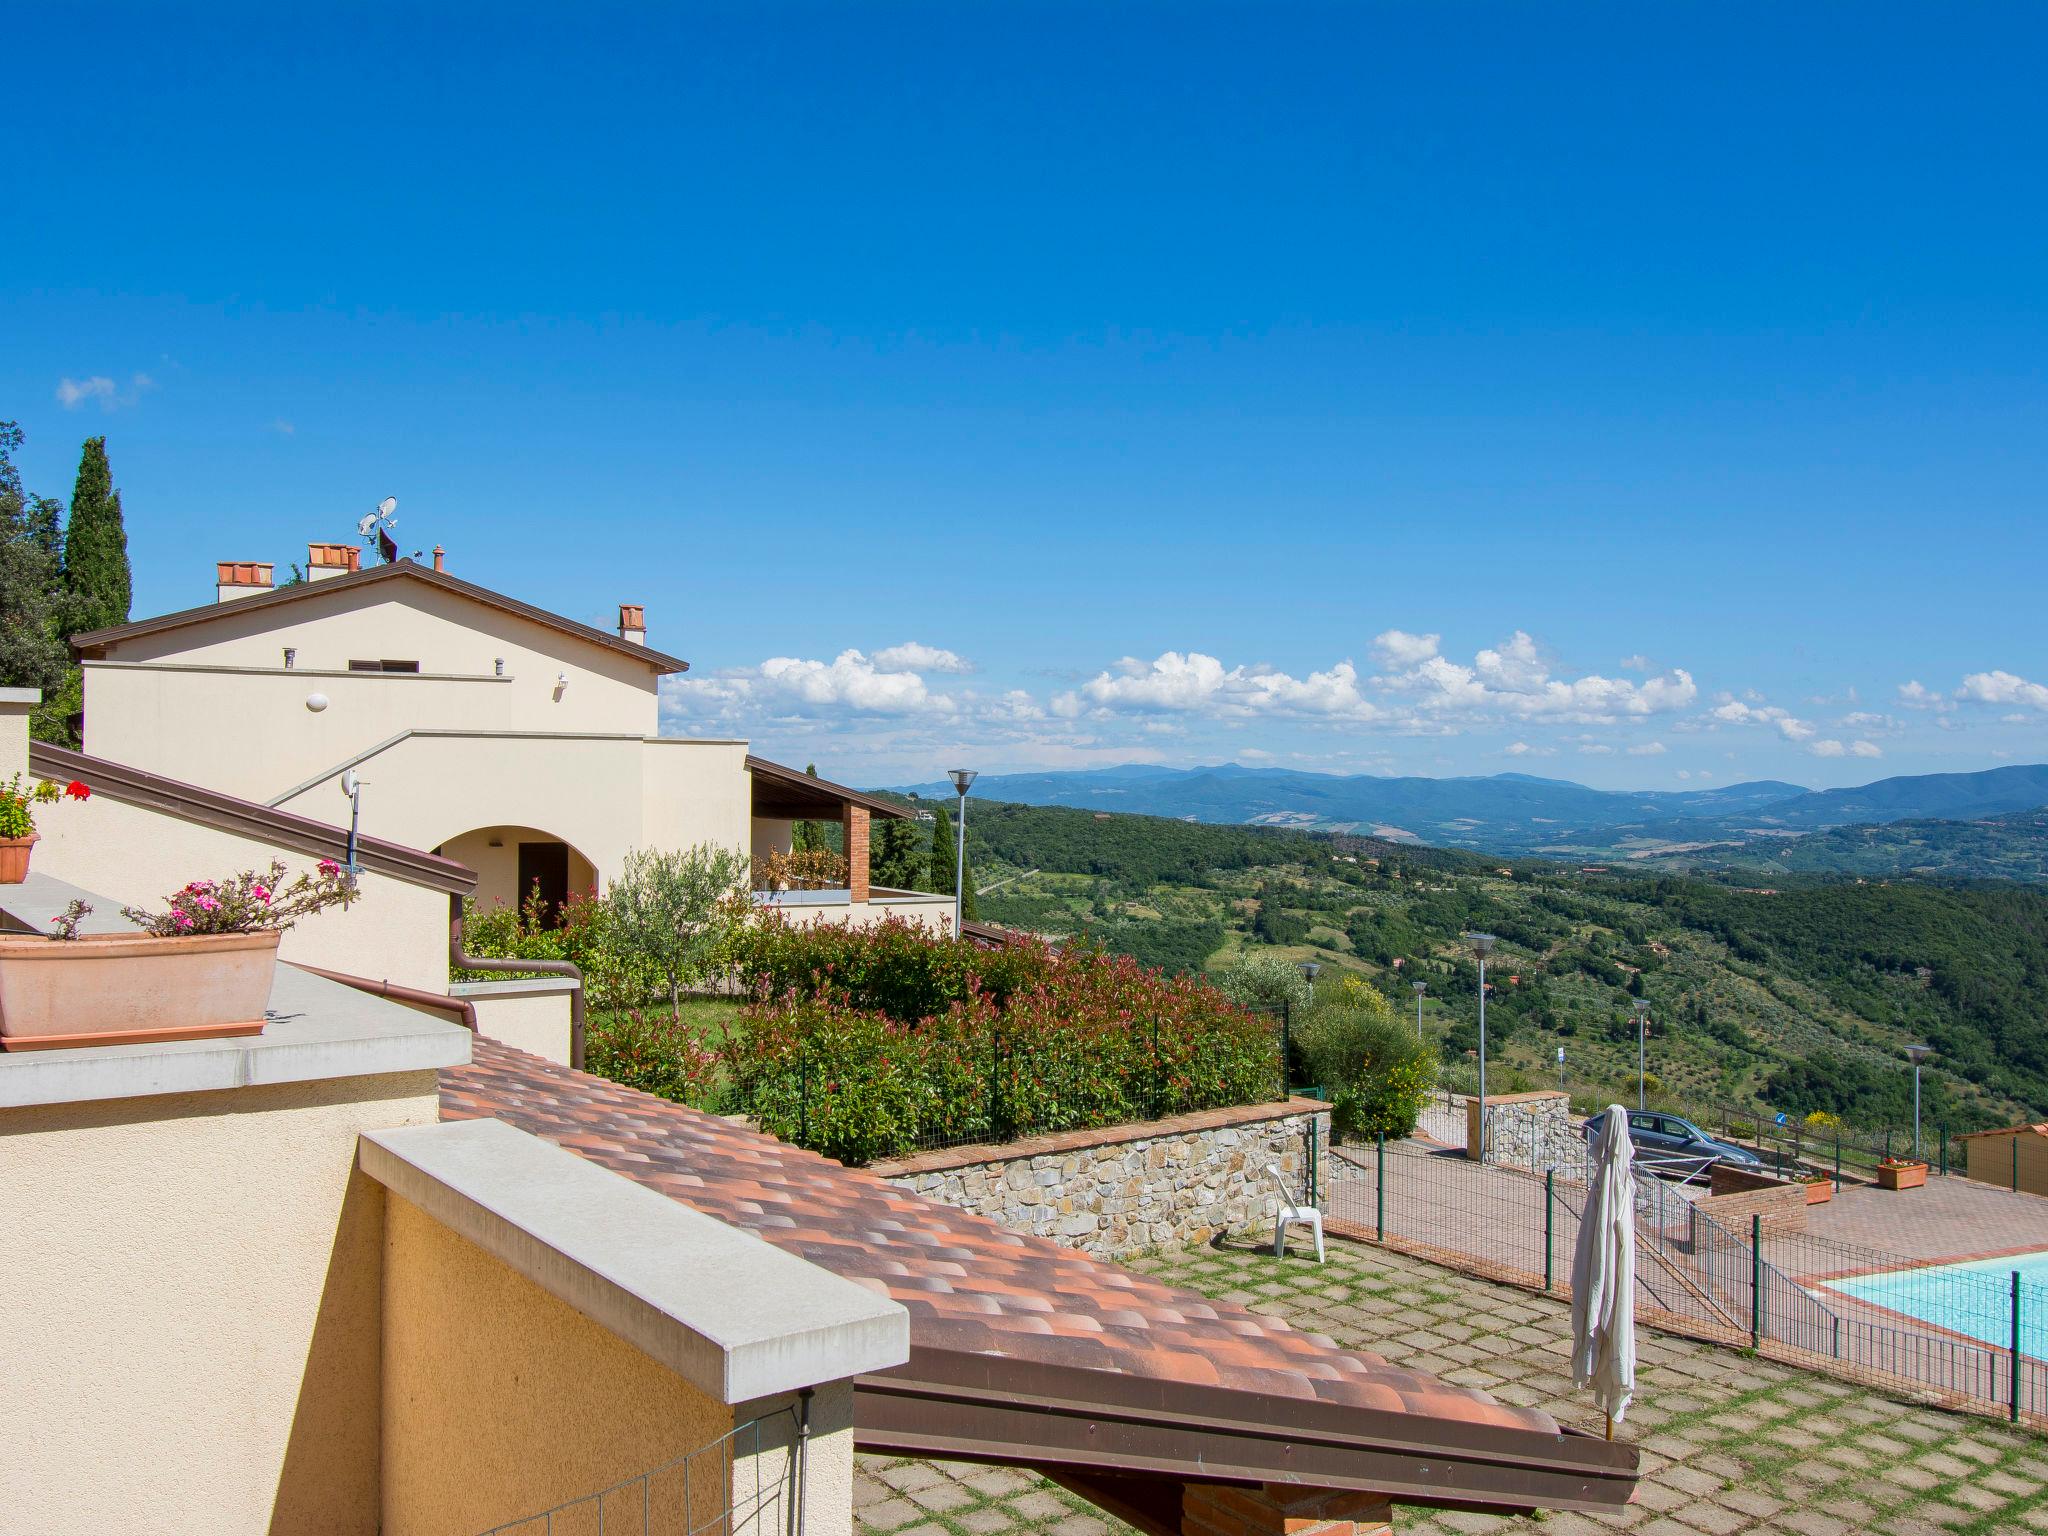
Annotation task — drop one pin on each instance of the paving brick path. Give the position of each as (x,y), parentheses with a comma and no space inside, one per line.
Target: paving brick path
(1731,1446)
(1951,1217)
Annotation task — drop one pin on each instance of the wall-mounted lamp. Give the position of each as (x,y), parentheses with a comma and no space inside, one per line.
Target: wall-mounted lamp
(561,684)
(316,702)
(495,842)
(498,667)
(290,656)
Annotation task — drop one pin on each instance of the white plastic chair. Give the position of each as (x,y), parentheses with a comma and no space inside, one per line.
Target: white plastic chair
(1289,1214)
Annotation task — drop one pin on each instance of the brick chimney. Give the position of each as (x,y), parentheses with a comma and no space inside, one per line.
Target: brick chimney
(633,623)
(325,560)
(241,578)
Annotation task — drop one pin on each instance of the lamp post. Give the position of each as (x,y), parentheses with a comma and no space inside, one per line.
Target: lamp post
(963,779)
(1309,971)
(1482,946)
(1642,1008)
(1420,988)
(1917,1054)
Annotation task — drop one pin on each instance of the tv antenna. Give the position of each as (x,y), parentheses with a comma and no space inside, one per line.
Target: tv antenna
(376,526)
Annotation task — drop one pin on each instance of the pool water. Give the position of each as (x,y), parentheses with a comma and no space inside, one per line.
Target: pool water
(1973,1298)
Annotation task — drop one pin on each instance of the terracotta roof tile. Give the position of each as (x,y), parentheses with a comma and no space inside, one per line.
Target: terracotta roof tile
(970,1285)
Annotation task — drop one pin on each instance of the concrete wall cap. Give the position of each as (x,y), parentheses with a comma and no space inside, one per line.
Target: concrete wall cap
(733,1316)
(21,696)
(538,986)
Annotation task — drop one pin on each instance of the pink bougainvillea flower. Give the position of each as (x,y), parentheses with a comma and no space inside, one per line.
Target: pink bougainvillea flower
(260,892)
(329,868)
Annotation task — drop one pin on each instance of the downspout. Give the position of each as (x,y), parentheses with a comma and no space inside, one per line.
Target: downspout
(430,1002)
(465,962)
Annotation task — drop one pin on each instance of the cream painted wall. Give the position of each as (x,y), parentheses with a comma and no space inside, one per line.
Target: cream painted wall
(14,714)
(500,1401)
(192,1326)
(396,932)
(497,869)
(772,836)
(934,913)
(522,1016)
(602,796)
(214,705)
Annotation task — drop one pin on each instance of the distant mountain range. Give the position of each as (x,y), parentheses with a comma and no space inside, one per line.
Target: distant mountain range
(1517,813)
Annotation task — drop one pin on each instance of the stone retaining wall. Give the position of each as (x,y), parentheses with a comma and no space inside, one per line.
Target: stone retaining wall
(1126,1189)
(1531,1131)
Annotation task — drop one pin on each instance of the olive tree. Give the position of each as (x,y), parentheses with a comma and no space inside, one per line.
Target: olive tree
(675,908)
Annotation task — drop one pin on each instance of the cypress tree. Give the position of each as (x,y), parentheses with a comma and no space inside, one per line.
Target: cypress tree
(96,545)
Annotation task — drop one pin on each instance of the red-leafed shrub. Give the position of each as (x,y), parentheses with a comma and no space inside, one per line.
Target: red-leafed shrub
(871,1042)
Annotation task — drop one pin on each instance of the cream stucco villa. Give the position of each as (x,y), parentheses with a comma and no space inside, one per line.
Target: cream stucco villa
(514,741)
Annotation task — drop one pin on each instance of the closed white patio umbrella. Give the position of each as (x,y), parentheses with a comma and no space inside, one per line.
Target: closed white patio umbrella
(1604,1273)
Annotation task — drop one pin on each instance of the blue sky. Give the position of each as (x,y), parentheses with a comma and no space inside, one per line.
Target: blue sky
(1641,395)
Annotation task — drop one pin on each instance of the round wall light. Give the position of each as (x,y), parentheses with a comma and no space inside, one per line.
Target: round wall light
(316,702)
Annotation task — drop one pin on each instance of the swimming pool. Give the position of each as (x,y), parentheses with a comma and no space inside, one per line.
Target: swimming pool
(1973,1298)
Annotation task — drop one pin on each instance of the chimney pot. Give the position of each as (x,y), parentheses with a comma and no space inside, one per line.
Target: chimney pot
(328,560)
(240,578)
(440,558)
(633,623)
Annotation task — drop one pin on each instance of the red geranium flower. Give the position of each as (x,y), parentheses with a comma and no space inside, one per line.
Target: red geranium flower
(77,789)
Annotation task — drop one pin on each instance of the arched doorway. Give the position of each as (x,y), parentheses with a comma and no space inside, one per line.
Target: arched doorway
(511,861)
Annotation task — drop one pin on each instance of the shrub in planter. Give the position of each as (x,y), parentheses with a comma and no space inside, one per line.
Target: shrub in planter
(18,822)
(200,968)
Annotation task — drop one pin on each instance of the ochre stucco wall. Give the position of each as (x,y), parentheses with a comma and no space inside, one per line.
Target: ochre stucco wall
(191,1318)
(501,1401)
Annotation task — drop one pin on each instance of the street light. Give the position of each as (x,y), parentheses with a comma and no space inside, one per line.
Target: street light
(1309,971)
(1917,1054)
(1420,988)
(963,779)
(1482,946)
(1642,1008)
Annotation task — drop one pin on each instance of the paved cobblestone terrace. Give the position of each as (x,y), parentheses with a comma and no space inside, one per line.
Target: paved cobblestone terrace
(1731,1446)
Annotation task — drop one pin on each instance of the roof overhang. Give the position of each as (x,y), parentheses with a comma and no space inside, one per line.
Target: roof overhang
(1085,1427)
(788,794)
(93,644)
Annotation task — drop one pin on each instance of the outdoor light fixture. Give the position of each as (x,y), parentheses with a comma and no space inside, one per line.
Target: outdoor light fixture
(353,788)
(1482,946)
(963,780)
(1309,971)
(316,702)
(1420,988)
(290,656)
(497,666)
(1917,1054)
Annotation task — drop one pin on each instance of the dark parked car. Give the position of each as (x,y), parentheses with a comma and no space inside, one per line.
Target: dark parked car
(1677,1143)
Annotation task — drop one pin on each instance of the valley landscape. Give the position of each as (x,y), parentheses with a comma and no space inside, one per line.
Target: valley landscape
(1787,968)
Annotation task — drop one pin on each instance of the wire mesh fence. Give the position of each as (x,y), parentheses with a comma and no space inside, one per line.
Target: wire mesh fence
(1974,1334)
(747,1482)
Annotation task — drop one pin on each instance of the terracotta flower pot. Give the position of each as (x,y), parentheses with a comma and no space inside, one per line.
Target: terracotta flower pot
(14,853)
(1902,1176)
(1820,1191)
(119,989)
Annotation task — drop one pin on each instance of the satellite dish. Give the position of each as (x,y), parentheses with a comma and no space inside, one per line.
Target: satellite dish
(387,506)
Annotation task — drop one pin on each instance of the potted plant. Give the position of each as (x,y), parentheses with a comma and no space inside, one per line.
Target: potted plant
(200,969)
(1820,1189)
(18,822)
(1901,1173)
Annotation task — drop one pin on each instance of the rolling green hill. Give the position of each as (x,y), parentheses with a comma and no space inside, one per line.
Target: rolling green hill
(1801,994)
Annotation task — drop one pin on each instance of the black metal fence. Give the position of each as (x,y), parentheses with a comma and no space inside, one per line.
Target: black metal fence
(1972,1333)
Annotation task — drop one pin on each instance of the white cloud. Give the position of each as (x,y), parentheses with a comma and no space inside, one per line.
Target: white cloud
(1523,749)
(2003,688)
(1400,650)
(1915,696)
(1788,725)
(1190,682)
(911,656)
(1828,749)
(1596,749)
(72,393)
(283,428)
(1865,720)
(1635,663)
(1647,749)
(1865,749)
(1513,680)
